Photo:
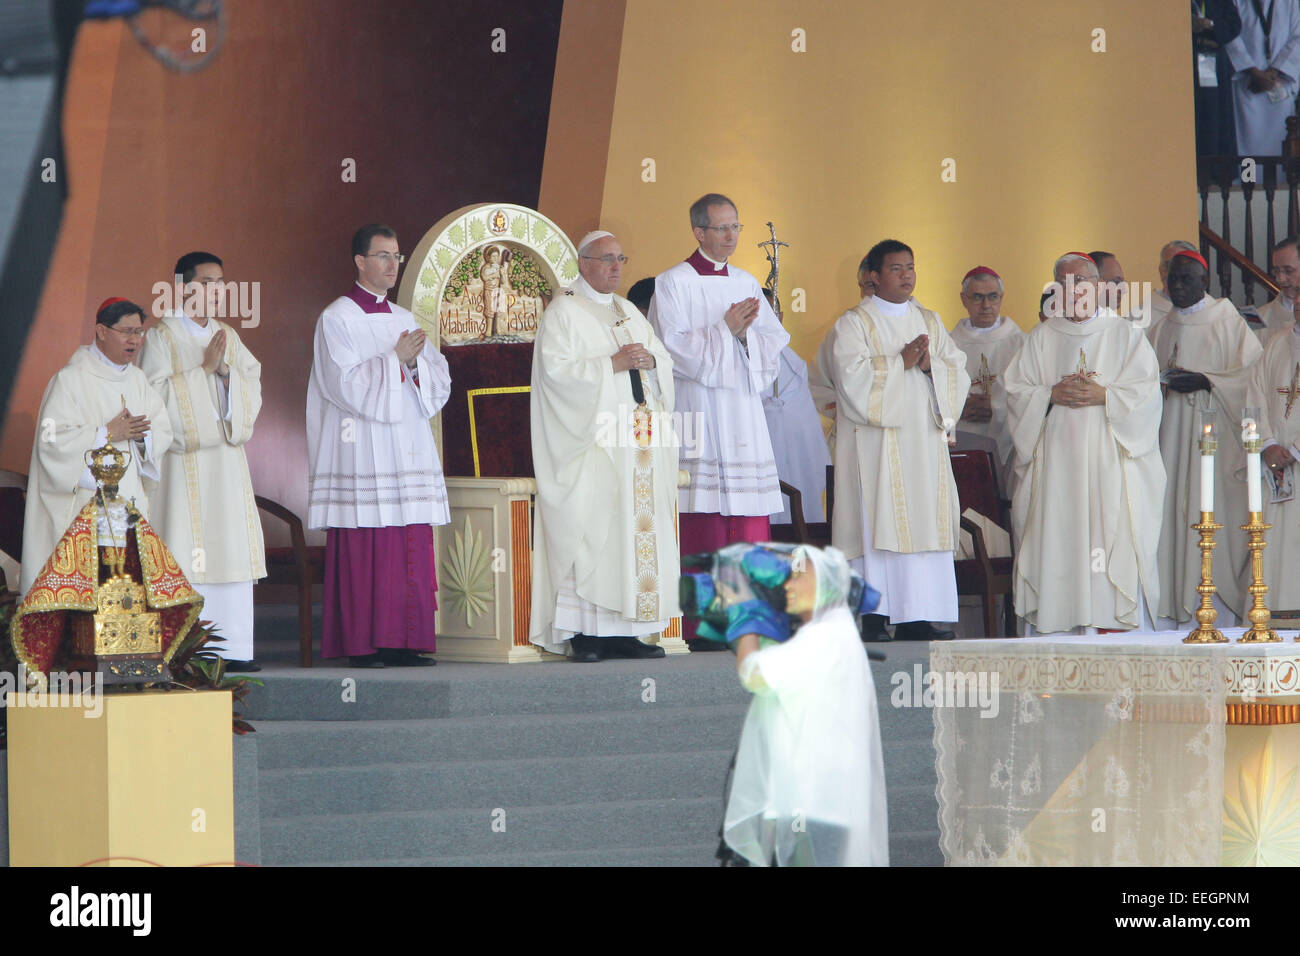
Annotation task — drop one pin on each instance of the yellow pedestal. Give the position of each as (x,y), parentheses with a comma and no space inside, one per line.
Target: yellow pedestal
(147,782)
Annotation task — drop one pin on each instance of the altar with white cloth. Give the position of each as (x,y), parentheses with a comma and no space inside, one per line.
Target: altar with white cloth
(1120,749)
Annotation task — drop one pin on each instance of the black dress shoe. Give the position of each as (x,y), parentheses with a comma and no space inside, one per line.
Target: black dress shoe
(585,649)
(242,667)
(700,645)
(873,628)
(921,631)
(404,657)
(365,660)
(631,648)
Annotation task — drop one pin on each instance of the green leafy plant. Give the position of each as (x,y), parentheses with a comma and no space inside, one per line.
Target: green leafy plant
(195,668)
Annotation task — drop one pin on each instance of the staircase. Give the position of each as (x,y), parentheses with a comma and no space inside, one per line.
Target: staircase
(529,765)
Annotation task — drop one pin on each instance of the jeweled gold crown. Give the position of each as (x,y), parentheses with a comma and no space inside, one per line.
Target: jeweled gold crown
(107,474)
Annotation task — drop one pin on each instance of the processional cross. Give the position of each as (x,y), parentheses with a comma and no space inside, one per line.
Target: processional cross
(773,274)
(772,249)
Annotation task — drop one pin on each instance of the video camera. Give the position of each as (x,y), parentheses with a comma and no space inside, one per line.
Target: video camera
(740,589)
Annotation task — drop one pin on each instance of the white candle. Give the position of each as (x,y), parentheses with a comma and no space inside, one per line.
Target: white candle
(1207,482)
(1252,481)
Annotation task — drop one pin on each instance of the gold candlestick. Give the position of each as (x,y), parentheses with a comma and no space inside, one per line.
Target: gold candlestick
(1206,615)
(1259,615)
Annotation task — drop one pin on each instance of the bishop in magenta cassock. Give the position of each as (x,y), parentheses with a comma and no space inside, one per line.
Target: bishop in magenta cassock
(375,479)
(725,342)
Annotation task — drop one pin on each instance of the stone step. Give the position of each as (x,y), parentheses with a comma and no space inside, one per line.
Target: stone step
(413,835)
(651,729)
(456,784)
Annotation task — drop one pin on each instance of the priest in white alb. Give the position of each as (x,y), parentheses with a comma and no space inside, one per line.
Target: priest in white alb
(204,507)
(1206,352)
(726,344)
(605,561)
(1083,402)
(900,384)
(990,341)
(374,476)
(98,397)
(1275,389)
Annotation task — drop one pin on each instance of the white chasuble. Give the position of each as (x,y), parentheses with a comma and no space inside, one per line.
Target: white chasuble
(1212,338)
(719,384)
(1275,387)
(1277,315)
(370,452)
(605,554)
(1091,481)
(896,507)
(79,402)
(988,353)
(798,442)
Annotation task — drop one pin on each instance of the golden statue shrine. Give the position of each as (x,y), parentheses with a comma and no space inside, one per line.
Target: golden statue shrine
(111,599)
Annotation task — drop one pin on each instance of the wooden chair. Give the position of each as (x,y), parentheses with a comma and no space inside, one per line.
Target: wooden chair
(797,530)
(294,565)
(977,489)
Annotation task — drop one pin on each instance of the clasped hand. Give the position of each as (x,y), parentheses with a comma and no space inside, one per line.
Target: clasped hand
(632,356)
(1183,381)
(1078,390)
(741,316)
(125,426)
(917,353)
(409,345)
(214,356)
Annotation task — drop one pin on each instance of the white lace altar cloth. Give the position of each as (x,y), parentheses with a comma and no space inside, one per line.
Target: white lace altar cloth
(1101,750)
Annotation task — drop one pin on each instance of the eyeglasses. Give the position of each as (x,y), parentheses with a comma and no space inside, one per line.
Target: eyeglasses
(734,227)
(993,297)
(387,257)
(135,333)
(609,260)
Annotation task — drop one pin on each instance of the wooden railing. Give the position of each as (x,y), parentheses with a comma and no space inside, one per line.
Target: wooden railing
(1269,173)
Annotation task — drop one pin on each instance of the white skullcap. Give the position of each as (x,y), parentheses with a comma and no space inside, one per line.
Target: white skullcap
(591,237)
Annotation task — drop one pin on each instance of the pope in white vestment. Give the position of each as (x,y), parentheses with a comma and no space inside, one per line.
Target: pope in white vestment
(798,441)
(605,559)
(1091,483)
(1210,338)
(1275,388)
(204,507)
(79,403)
(896,507)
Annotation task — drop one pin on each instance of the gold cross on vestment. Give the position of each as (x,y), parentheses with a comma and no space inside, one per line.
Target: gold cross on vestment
(1292,392)
(1082,367)
(986,378)
(1173,358)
